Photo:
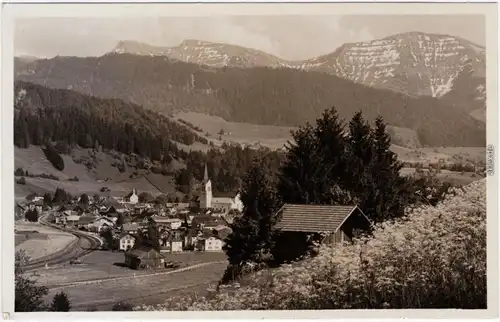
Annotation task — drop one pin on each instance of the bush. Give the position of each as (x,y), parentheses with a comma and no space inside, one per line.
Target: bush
(31,215)
(61,196)
(122,306)
(31,196)
(62,147)
(145,197)
(84,199)
(156,169)
(19,172)
(161,199)
(53,156)
(21,180)
(47,176)
(435,257)
(75,178)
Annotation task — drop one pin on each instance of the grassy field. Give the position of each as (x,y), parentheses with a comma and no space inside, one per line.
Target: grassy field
(39,247)
(242,133)
(448,176)
(277,136)
(141,290)
(99,281)
(108,264)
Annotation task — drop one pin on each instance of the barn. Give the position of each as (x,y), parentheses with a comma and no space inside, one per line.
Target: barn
(326,223)
(143,258)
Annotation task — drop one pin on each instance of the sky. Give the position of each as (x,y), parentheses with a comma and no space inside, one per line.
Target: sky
(288,37)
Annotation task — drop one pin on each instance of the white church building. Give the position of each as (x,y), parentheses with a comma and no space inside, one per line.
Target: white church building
(209,201)
(133,198)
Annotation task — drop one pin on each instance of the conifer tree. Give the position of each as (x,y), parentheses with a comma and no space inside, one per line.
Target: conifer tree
(359,154)
(331,147)
(392,188)
(153,235)
(60,303)
(252,238)
(28,296)
(315,163)
(21,134)
(298,180)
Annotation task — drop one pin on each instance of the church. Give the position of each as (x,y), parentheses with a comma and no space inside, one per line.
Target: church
(209,201)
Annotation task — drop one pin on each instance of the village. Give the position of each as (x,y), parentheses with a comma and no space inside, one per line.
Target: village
(121,223)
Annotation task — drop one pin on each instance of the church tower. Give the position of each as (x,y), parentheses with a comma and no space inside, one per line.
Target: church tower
(206,196)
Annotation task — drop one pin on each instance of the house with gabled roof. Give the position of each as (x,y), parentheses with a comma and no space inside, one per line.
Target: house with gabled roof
(209,241)
(72,219)
(170,241)
(130,228)
(206,222)
(124,242)
(170,223)
(85,221)
(100,223)
(328,224)
(222,231)
(144,257)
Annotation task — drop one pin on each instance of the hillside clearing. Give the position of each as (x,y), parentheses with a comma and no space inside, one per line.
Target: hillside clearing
(104,174)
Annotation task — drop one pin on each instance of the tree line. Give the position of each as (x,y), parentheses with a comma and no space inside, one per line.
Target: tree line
(226,167)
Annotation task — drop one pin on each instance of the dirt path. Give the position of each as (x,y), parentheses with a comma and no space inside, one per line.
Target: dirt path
(136,277)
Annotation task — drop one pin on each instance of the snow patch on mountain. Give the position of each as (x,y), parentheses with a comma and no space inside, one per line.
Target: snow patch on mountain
(413,63)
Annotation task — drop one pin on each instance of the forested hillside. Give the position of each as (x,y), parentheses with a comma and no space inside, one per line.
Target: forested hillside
(275,96)
(44,114)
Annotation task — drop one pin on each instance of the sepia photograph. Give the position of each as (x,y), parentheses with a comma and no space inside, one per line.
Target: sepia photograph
(191,160)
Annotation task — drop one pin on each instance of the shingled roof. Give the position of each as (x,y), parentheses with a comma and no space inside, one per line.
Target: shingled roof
(314,218)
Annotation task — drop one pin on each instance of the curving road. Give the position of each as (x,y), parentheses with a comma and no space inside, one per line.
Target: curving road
(85,244)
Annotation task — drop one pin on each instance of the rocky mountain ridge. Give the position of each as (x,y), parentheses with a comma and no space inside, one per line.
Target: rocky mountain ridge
(204,53)
(413,63)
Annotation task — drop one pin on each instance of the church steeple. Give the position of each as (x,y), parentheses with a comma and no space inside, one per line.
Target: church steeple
(206,197)
(205,176)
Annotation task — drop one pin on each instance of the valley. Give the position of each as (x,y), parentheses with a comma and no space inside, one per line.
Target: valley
(177,165)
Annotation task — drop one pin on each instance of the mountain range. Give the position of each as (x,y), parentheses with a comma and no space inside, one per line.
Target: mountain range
(412,63)
(431,84)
